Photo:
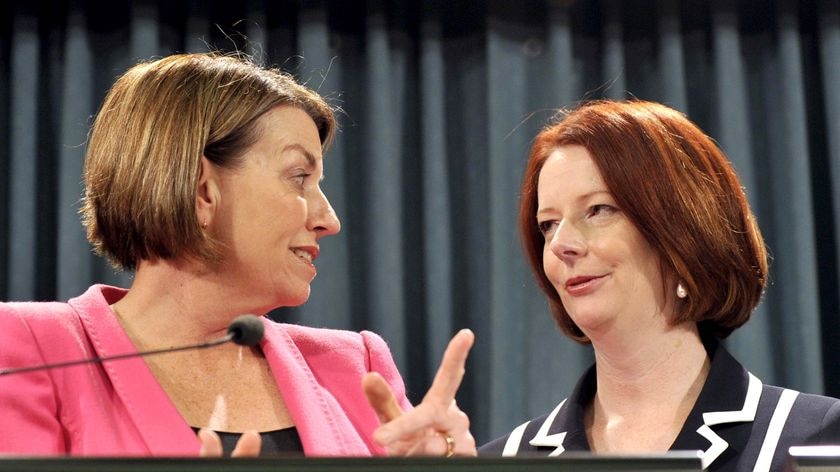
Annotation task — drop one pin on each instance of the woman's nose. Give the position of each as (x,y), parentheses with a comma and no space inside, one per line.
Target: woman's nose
(323,219)
(567,242)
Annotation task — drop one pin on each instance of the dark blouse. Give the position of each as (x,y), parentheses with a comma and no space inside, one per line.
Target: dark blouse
(280,442)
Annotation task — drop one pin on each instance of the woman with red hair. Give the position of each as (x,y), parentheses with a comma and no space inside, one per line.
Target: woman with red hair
(639,233)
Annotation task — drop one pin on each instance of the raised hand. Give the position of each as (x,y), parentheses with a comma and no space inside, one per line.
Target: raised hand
(435,427)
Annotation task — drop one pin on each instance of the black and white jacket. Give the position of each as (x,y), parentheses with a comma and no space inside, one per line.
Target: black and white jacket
(738,423)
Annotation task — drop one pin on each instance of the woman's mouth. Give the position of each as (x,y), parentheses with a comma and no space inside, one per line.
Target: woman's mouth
(583,285)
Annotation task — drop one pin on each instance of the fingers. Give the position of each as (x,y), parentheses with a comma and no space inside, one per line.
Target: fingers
(248,445)
(211,444)
(452,368)
(380,397)
(437,411)
(465,445)
(457,440)
(438,445)
(433,442)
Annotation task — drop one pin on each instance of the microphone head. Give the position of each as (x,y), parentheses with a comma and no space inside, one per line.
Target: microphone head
(246,330)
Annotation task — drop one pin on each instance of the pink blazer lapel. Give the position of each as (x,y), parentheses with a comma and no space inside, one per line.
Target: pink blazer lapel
(323,426)
(157,420)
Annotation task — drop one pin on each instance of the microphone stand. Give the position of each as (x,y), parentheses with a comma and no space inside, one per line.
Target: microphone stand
(245,330)
(99,360)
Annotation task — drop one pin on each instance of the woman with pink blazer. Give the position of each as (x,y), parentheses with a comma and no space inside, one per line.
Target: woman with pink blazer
(202,175)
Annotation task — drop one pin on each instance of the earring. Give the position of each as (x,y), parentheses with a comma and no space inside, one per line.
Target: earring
(204,224)
(681,293)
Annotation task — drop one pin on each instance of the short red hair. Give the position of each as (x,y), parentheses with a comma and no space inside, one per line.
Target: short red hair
(681,193)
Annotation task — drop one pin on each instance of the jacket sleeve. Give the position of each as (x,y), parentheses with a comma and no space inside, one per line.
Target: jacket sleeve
(29,421)
(830,426)
(381,361)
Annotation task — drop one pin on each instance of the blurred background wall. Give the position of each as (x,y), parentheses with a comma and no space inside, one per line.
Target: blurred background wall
(440,101)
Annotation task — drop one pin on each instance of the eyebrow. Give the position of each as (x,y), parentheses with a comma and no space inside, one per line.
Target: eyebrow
(311,160)
(582,198)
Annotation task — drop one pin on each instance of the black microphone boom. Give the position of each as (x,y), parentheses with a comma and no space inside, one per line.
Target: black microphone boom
(245,330)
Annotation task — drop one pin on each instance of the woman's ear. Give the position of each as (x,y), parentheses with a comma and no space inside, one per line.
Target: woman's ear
(207,193)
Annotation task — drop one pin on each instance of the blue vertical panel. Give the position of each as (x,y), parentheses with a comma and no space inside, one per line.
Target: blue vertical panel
(614,70)
(74,263)
(196,33)
(256,32)
(24,158)
(144,31)
(381,126)
(467,135)
(507,81)
(749,343)
(732,101)
(830,53)
(796,274)
(564,76)
(5,154)
(329,304)
(671,57)
(437,214)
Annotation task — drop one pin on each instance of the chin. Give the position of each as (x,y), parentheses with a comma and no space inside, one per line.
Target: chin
(588,319)
(297,299)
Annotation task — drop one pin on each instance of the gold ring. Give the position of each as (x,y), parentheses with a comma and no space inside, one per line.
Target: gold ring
(450,445)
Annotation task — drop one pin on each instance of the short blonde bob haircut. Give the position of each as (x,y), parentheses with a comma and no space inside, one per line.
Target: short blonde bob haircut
(679,190)
(145,147)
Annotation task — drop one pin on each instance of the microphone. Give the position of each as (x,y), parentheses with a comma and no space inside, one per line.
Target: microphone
(244,330)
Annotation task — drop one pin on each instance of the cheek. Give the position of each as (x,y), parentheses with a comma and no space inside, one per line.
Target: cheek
(290,211)
(650,273)
(643,256)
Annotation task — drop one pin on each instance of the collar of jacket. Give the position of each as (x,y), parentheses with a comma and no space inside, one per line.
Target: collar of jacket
(730,395)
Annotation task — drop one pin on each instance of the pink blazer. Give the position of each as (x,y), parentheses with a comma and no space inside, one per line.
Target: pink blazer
(118,408)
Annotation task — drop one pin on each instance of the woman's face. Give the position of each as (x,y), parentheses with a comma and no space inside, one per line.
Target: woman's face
(272,212)
(607,275)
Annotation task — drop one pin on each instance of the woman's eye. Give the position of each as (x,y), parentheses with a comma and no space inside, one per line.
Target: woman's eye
(546,227)
(300,179)
(601,209)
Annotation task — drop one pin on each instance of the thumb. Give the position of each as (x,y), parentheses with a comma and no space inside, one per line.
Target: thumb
(380,397)
(248,445)
(211,445)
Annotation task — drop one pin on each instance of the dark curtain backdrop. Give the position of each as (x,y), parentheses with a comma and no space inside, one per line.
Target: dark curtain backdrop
(441,100)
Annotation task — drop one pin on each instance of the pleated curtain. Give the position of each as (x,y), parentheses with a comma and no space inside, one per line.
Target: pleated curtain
(439,102)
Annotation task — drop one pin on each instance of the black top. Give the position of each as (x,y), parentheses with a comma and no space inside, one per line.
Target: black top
(280,442)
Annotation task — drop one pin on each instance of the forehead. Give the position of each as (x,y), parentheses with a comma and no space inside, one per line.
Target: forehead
(290,128)
(569,169)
